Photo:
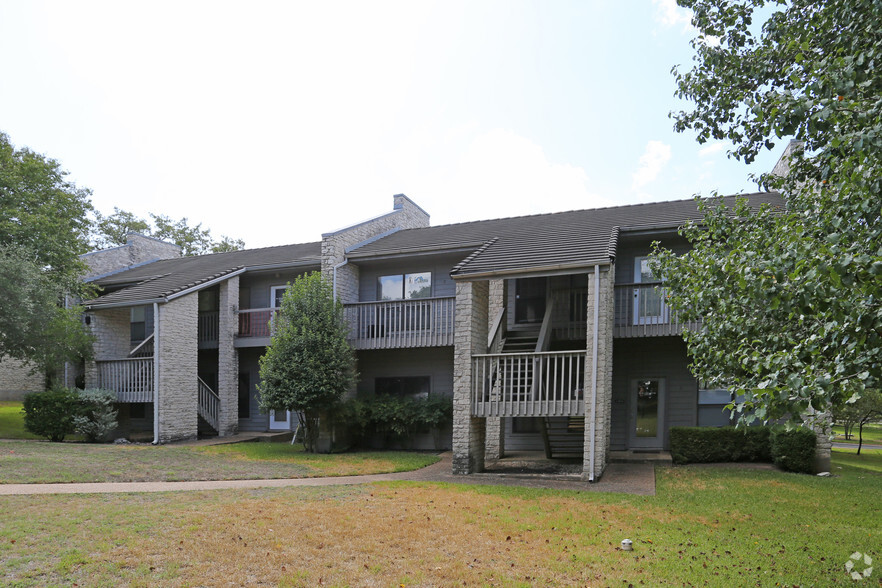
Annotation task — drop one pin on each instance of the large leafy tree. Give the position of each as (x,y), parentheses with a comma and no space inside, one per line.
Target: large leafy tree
(44,228)
(111,230)
(308,365)
(790,300)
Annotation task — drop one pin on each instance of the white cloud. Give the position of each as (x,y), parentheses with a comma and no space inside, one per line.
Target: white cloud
(669,14)
(711,149)
(499,173)
(653,160)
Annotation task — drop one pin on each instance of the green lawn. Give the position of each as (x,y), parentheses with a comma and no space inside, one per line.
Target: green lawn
(11,421)
(713,526)
(26,462)
(872,435)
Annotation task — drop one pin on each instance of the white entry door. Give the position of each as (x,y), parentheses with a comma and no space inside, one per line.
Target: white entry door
(279,420)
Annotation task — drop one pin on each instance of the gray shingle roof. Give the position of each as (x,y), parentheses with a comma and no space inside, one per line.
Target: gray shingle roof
(168,277)
(579,238)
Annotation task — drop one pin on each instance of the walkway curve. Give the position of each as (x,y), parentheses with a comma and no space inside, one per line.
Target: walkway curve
(633,478)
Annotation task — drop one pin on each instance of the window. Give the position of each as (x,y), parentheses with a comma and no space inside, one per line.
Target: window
(141,322)
(276,294)
(403,386)
(405,286)
(208,301)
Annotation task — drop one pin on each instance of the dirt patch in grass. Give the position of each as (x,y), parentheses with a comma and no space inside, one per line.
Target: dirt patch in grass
(38,462)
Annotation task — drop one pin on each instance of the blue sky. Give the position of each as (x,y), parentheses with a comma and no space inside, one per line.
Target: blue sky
(276,121)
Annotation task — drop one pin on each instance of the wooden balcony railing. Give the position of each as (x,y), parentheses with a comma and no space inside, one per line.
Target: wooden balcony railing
(209,327)
(131,379)
(256,322)
(642,311)
(423,322)
(528,384)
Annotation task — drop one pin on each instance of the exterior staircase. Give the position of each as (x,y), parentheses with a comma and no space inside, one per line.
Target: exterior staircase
(563,437)
(521,374)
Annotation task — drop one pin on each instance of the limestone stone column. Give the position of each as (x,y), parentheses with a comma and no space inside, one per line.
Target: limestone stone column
(605,282)
(495,427)
(177,375)
(469,433)
(228,357)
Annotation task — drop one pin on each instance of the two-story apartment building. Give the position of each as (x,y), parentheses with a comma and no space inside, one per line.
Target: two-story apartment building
(548,331)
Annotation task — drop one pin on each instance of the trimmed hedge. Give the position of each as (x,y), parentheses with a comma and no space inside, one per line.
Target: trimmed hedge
(794,450)
(720,444)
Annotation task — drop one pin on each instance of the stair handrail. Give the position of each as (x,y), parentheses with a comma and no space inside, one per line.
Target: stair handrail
(208,404)
(140,345)
(494,339)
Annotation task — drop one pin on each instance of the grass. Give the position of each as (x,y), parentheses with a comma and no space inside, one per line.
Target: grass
(711,526)
(33,462)
(872,435)
(12,422)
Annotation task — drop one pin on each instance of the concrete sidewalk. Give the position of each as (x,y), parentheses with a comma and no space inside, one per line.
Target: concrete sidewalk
(627,478)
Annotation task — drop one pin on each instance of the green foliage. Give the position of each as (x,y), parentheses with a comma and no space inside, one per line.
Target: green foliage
(33,324)
(719,445)
(42,213)
(794,449)
(51,413)
(308,365)
(96,417)
(43,230)
(394,418)
(790,301)
(111,230)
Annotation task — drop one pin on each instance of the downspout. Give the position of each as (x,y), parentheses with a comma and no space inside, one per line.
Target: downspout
(156,373)
(341,264)
(594,371)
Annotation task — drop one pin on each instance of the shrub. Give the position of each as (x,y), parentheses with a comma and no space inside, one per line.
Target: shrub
(794,449)
(394,418)
(51,413)
(723,444)
(97,415)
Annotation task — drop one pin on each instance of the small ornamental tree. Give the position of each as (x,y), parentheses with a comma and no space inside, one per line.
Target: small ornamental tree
(308,365)
(866,409)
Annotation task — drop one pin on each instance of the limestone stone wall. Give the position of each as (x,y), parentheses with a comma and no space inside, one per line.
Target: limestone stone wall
(138,249)
(405,215)
(495,427)
(228,357)
(112,331)
(604,372)
(16,379)
(177,374)
(469,433)
(822,424)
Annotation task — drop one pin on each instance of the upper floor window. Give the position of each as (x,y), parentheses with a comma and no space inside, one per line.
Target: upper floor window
(141,322)
(405,286)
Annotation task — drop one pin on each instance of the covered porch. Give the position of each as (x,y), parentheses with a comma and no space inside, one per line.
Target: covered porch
(534,349)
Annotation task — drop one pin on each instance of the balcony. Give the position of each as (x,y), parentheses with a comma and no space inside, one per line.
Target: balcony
(642,311)
(208,329)
(255,327)
(528,384)
(395,324)
(131,379)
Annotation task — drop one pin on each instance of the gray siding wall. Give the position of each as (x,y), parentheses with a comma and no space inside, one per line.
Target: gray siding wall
(254,290)
(435,362)
(662,357)
(439,265)
(248,363)
(629,248)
